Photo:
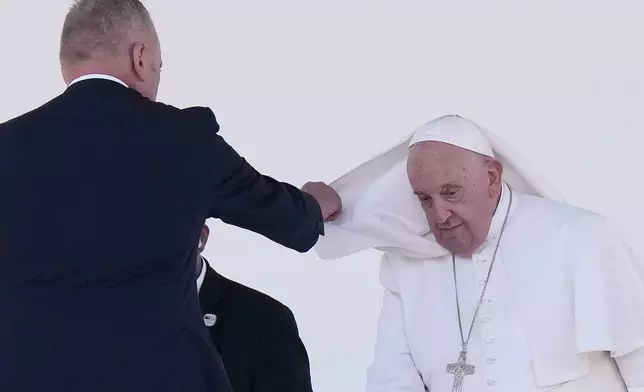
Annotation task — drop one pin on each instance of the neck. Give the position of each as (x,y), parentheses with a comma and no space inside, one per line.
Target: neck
(199,264)
(498,200)
(71,72)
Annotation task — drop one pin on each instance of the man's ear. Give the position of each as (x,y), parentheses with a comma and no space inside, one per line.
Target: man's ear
(138,60)
(495,175)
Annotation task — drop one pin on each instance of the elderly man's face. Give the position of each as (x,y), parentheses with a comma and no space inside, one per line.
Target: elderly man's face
(458,190)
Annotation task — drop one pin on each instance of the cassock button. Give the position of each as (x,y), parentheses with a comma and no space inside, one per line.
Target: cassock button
(209,319)
(485,319)
(490,340)
(481,262)
(490,361)
(491,382)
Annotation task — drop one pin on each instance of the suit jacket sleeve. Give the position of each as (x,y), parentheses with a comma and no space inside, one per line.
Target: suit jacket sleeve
(393,369)
(243,197)
(282,362)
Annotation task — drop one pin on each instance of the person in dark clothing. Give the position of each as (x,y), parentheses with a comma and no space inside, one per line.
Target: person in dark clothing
(257,336)
(86,304)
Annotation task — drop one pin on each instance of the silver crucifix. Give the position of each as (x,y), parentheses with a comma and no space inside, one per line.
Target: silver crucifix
(460,369)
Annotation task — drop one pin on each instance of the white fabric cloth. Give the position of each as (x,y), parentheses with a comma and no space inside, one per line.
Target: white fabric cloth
(556,309)
(380,210)
(97,76)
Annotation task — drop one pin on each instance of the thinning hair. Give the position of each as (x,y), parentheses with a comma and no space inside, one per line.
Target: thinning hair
(96,28)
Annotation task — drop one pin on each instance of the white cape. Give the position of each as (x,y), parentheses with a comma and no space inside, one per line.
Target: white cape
(380,210)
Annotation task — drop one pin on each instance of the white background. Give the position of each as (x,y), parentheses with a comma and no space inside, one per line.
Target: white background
(306,90)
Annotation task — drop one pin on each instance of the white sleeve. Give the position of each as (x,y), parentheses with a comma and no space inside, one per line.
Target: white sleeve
(631,367)
(393,369)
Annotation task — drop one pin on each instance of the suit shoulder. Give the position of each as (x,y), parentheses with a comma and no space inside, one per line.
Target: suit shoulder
(199,113)
(12,122)
(29,116)
(260,304)
(192,116)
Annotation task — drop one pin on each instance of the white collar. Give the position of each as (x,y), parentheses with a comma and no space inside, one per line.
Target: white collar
(499,214)
(202,273)
(97,76)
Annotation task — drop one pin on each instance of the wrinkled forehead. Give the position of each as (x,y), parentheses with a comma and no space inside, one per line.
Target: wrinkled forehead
(435,164)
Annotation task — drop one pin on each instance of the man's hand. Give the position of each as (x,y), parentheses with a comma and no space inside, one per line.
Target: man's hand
(327,198)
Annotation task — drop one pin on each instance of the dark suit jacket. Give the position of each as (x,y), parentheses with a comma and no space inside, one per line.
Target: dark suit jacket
(103,194)
(257,337)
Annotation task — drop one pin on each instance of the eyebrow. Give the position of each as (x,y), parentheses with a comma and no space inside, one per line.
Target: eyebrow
(443,187)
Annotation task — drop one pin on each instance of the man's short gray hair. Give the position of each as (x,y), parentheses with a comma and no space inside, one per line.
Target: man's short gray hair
(95,28)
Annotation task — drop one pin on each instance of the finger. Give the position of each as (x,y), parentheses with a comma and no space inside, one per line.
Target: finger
(333,216)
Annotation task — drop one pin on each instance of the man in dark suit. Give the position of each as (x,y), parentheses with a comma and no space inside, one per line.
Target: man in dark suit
(256,335)
(86,303)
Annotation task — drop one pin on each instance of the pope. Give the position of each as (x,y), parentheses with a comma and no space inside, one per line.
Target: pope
(491,281)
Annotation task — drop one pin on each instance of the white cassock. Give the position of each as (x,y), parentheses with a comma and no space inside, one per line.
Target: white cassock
(564,307)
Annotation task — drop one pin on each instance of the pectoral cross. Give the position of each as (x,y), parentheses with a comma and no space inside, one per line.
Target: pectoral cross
(460,369)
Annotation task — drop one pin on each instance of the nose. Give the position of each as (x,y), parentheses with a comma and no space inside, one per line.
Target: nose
(439,212)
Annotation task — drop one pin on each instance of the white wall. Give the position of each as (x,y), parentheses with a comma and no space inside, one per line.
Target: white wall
(307,90)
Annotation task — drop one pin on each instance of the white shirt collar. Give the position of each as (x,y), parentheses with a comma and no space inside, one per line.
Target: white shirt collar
(500,212)
(97,76)
(498,218)
(202,273)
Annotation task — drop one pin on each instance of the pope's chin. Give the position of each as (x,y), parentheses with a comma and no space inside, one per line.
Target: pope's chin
(457,240)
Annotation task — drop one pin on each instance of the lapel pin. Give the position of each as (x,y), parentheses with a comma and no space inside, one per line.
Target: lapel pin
(209,319)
